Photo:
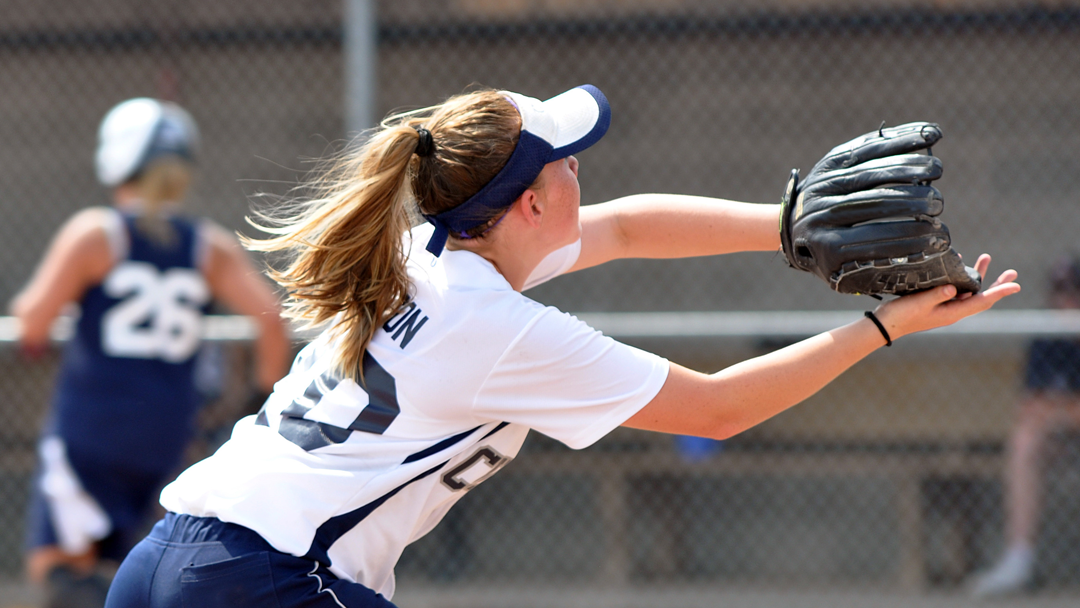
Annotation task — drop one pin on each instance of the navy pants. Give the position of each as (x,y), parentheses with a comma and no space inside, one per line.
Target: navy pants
(198,562)
(127,496)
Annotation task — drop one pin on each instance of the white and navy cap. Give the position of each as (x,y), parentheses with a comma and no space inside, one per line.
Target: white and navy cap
(550,130)
(138,131)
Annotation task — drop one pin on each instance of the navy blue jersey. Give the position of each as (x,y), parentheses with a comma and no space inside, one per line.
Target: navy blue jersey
(126,391)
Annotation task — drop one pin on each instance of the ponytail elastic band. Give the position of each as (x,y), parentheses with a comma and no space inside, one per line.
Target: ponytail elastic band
(870,315)
(425,144)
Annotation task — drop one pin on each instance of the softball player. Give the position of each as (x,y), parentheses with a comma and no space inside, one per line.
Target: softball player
(433,367)
(125,401)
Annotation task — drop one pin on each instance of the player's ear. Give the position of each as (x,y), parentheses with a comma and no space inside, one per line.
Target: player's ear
(531,206)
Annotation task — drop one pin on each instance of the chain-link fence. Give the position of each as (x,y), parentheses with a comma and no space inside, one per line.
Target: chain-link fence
(892,479)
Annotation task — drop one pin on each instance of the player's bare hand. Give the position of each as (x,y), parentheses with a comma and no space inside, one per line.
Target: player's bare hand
(981,266)
(941,306)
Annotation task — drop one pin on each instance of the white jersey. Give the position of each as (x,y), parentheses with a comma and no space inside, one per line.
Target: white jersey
(349,474)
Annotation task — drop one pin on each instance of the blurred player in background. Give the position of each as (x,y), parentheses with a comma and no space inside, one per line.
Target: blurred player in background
(433,367)
(1050,402)
(125,401)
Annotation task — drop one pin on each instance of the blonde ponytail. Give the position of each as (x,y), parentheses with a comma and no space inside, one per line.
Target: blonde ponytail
(344,258)
(163,182)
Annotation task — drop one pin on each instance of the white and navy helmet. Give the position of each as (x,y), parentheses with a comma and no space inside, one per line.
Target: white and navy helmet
(138,131)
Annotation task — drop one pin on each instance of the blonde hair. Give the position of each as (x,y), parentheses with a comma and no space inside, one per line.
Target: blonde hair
(344,259)
(164,181)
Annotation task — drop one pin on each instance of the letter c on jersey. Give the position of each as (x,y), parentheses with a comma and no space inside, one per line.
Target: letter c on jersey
(484,463)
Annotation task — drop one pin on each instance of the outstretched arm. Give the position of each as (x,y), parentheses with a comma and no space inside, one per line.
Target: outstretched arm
(674,226)
(737,398)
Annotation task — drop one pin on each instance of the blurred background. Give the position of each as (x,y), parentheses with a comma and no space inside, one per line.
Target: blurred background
(887,488)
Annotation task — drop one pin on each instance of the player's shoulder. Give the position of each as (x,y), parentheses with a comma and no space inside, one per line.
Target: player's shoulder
(559,329)
(88,240)
(514,323)
(89,230)
(90,219)
(219,253)
(215,237)
(465,295)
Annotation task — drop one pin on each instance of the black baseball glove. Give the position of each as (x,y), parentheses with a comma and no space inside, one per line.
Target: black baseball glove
(865,219)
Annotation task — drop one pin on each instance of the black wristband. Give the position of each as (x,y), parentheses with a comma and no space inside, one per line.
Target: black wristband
(870,315)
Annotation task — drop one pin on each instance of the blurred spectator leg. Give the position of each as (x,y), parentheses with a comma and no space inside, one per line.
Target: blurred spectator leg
(1015,570)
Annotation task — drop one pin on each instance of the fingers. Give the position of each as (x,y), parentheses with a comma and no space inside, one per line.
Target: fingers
(1006,279)
(931,297)
(993,295)
(1006,276)
(944,293)
(981,266)
(941,306)
(1002,287)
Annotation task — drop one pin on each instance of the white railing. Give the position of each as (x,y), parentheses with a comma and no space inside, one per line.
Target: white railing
(703,324)
(807,323)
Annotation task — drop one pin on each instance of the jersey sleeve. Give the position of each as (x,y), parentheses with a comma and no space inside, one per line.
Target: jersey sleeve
(569,381)
(117,234)
(554,264)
